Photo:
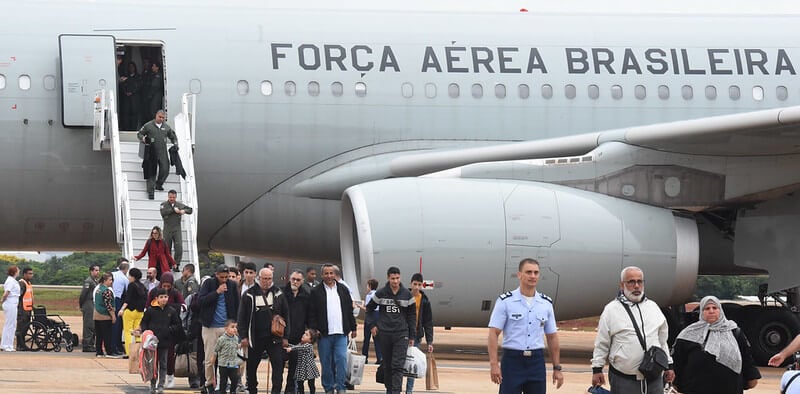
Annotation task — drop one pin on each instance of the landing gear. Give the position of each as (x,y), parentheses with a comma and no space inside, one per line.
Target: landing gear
(769,329)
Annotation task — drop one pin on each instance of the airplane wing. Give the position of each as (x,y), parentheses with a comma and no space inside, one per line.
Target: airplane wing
(769,132)
(760,133)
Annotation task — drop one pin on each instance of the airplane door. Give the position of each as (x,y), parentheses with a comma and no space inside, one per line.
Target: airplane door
(88,63)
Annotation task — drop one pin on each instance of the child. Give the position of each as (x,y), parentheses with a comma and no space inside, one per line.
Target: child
(225,356)
(163,320)
(306,367)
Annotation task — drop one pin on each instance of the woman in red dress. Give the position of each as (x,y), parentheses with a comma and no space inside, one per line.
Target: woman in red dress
(157,252)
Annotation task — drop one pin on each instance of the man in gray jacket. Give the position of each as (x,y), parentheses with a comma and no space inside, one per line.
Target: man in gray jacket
(172,212)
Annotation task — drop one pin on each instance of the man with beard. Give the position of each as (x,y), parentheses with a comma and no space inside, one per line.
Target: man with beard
(617,340)
(298,296)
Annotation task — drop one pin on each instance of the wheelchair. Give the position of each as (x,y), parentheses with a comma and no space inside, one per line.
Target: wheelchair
(49,332)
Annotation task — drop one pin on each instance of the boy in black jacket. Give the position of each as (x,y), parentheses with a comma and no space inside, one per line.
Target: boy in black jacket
(165,322)
(395,328)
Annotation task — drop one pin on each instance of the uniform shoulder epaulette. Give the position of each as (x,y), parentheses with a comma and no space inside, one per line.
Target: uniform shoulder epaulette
(550,300)
(505,295)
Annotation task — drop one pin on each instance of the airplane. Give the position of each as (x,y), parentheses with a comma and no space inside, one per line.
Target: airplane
(451,138)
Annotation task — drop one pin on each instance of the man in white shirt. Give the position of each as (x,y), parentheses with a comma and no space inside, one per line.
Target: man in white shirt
(119,286)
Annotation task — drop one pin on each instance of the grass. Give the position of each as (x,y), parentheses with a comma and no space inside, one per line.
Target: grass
(58,301)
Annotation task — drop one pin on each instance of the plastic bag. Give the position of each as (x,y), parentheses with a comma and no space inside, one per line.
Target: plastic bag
(416,365)
(355,363)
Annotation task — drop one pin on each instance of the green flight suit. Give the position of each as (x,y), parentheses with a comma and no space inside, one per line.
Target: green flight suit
(172,227)
(158,142)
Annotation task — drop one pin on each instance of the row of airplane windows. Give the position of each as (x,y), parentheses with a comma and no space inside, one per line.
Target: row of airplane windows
(758,93)
(523,91)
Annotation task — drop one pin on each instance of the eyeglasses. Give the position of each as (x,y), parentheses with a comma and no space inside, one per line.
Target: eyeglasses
(634,282)
(296,279)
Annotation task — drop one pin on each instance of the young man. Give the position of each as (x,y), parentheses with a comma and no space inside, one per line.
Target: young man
(218,302)
(86,302)
(249,275)
(172,212)
(396,325)
(25,307)
(526,318)
(424,317)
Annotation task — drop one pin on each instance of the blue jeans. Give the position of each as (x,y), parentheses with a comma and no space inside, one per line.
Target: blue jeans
(333,358)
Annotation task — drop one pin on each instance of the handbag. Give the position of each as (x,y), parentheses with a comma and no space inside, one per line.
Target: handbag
(355,363)
(380,374)
(416,364)
(133,357)
(278,326)
(655,359)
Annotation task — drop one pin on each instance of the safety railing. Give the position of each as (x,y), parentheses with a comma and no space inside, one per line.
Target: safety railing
(121,193)
(184,128)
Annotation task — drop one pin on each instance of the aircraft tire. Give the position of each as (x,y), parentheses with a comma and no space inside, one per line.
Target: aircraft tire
(769,330)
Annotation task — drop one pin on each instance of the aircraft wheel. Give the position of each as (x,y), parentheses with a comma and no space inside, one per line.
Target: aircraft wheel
(769,330)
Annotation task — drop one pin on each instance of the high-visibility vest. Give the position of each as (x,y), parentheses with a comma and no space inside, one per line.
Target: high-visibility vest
(27,298)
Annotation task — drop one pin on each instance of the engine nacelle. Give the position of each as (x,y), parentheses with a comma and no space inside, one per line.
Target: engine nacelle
(468,236)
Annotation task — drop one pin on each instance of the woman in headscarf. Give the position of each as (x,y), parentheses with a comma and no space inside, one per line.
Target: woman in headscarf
(713,355)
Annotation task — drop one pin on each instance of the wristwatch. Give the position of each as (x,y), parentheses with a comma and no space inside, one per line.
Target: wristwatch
(556,367)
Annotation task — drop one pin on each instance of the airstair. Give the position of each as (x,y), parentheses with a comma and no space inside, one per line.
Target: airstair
(136,215)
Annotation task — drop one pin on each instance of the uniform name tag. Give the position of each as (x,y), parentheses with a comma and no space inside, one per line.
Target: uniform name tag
(516,316)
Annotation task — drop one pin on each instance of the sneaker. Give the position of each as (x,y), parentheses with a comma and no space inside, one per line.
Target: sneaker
(10,349)
(170,383)
(160,390)
(114,355)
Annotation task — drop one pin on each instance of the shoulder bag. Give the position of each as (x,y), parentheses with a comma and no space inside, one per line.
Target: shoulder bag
(655,359)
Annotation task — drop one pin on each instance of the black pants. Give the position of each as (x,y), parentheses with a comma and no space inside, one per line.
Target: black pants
(276,357)
(226,374)
(23,321)
(103,337)
(394,346)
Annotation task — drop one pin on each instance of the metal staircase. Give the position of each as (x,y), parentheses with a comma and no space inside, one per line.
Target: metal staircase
(135,213)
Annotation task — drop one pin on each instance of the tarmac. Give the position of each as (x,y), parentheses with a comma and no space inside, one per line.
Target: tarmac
(461,356)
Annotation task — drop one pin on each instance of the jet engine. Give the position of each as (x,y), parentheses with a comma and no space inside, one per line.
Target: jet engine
(467,237)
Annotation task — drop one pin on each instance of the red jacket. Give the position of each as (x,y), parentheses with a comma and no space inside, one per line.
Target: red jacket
(158,254)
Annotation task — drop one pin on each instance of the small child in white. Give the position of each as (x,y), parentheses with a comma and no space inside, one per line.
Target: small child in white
(306,367)
(225,355)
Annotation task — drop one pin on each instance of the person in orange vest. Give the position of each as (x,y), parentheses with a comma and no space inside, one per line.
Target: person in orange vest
(25,307)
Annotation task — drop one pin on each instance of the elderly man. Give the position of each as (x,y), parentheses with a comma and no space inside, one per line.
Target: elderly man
(260,304)
(298,296)
(526,318)
(618,339)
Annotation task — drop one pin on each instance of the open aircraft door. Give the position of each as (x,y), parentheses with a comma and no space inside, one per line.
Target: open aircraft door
(88,64)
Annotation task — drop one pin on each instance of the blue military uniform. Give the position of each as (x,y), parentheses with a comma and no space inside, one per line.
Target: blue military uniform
(524,327)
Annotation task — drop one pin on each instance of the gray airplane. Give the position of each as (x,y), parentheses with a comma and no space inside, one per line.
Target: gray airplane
(452,137)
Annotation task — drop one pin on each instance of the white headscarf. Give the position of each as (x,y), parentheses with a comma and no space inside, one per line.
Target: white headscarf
(716,338)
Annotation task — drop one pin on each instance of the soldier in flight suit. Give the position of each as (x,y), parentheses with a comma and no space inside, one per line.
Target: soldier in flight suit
(157,131)
(172,211)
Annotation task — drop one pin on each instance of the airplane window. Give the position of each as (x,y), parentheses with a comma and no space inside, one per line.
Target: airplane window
(616,92)
(430,90)
(453,90)
(663,92)
(49,82)
(524,91)
(477,90)
(547,91)
(686,92)
(782,93)
(313,88)
(407,90)
(711,92)
(500,90)
(266,88)
(734,92)
(337,89)
(24,82)
(2,81)
(640,92)
(195,86)
(594,92)
(569,91)
(290,88)
(758,93)
(242,87)
(361,89)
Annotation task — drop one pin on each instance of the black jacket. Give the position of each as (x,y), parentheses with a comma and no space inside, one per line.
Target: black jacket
(207,300)
(424,325)
(396,312)
(165,324)
(175,160)
(318,319)
(149,162)
(299,311)
(256,312)
(698,372)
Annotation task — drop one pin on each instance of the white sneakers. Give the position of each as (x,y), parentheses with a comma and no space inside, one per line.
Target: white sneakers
(9,349)
(170,383)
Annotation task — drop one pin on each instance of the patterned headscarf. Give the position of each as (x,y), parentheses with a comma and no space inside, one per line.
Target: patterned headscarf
(716,338)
